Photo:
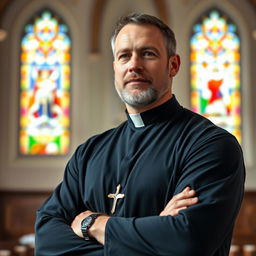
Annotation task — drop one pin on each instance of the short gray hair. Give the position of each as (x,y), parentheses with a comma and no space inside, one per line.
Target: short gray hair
(145,19)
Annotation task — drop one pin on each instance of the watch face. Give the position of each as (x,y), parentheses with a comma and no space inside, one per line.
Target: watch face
(86,221)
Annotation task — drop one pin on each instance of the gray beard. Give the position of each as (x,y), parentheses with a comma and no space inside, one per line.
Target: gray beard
(141,99)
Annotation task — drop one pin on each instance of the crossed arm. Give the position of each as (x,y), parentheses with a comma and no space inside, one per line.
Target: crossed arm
(217,175)
(97,231)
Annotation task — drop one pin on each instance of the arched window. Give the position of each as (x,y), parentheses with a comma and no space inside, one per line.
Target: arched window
(45,86)
(215,71)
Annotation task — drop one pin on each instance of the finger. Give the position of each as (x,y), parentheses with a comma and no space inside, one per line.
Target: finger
(173,212)
(186,193)
(182,203)
(185,202)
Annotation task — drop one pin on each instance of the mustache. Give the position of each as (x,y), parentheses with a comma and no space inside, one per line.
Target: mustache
(137,78)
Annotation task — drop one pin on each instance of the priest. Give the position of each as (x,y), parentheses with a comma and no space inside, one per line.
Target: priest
(165,182)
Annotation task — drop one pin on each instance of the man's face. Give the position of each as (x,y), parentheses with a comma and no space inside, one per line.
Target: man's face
(143,71)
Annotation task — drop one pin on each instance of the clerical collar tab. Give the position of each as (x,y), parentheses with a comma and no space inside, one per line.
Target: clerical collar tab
(137,120)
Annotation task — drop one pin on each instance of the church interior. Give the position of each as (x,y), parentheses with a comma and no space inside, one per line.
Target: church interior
(56,73)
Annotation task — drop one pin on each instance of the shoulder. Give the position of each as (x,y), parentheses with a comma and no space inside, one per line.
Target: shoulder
(198,132)
(210,148)
(200,126)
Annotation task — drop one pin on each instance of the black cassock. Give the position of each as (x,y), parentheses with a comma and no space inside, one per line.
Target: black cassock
(153,156)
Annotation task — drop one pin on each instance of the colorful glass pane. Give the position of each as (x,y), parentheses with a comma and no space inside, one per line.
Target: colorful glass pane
(45,87)
(215,72)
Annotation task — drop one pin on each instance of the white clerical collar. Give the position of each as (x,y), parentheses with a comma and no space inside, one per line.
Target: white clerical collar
(137,120)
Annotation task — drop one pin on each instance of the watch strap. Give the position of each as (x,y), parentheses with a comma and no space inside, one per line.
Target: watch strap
(87,223)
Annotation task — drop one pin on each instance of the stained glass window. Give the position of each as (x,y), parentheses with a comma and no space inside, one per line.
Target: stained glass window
(215,71)
(45,87)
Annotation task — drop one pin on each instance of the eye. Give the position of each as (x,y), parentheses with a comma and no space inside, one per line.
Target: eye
(149,54)
(123,56)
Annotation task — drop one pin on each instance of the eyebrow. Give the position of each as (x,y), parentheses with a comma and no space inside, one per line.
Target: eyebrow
(143,48)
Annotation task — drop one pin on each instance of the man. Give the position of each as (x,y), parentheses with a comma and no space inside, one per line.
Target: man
(165,182)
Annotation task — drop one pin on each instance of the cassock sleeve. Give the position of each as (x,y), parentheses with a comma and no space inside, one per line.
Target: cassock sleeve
(215,169)
(54,235)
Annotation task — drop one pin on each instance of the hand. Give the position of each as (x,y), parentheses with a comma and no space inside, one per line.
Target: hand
(76,224)
(180,202)
(96,231)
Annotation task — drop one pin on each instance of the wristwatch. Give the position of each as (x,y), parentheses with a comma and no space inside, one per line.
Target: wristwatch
(87,223)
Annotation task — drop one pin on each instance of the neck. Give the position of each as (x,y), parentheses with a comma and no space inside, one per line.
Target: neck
(137,110)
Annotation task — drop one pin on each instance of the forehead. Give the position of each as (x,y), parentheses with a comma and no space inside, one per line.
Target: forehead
(132,35)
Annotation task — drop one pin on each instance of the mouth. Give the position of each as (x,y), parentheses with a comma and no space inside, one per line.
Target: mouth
(137,81)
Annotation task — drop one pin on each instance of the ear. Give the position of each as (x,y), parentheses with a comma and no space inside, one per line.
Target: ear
(174,65)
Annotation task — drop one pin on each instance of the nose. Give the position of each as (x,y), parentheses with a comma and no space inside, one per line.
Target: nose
(135,64)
